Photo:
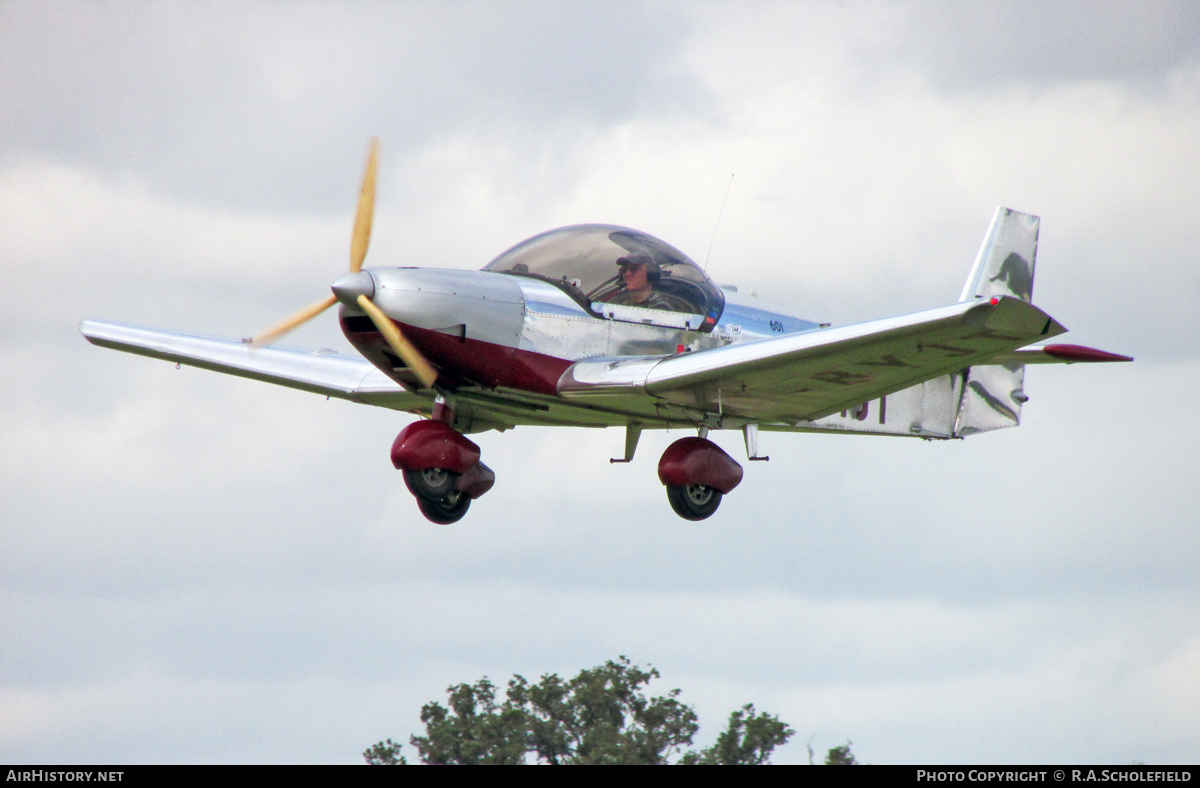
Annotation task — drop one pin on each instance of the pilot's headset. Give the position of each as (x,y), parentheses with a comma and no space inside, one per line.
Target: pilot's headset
(653,270)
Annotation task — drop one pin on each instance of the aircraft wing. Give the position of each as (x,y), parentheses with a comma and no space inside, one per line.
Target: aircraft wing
(807,376)
(321,372)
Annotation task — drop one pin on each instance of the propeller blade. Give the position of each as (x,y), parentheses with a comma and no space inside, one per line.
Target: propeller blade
(366,210)
(295,321)
(404,349)
(359,241)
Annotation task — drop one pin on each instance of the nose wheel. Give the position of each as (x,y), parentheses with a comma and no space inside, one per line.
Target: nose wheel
(441,469)
(693,501)
(437,497)
(430,483)
(449,508)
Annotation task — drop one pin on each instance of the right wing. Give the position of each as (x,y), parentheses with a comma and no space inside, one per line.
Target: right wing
(807,376)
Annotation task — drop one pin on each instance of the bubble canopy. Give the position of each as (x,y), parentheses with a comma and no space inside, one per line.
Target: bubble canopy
(586,261)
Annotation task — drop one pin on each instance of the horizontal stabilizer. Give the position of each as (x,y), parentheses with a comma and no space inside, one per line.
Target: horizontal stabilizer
(1058,354)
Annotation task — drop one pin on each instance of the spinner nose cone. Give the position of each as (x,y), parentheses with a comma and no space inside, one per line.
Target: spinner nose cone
(348,287)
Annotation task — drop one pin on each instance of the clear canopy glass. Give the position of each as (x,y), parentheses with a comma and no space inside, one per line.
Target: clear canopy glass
(588,260)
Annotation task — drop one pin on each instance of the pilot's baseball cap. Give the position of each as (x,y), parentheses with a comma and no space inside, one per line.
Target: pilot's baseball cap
(635,258)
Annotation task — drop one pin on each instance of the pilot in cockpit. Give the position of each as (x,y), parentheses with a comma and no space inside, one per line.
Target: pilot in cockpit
(639,274)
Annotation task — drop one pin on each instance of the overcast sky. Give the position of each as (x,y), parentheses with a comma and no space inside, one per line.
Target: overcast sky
(195,568)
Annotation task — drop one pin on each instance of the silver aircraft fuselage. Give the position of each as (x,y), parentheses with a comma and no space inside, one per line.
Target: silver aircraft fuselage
(523,334)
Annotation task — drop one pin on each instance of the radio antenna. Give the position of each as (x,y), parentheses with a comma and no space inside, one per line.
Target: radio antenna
(719,214)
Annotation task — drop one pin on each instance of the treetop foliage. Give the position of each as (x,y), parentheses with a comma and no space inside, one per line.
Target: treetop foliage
(749,740)
(601,716)
(840,756)
(384,753)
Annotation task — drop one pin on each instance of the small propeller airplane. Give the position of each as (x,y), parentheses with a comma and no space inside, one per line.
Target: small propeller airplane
(603,326)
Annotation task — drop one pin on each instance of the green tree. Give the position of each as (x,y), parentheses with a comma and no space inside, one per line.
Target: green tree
(384,753)
(474,730)
(601,716)
(840,756)
(748,740)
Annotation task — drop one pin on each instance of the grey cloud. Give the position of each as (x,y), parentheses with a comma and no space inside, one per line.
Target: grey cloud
(269,105)
(991,517)
(968,46)
(304,663)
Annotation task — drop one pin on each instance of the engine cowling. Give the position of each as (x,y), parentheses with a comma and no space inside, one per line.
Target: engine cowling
(691,461)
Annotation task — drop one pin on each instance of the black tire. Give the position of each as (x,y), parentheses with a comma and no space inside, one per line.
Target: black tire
(432,484)
(448,509)
(693,501)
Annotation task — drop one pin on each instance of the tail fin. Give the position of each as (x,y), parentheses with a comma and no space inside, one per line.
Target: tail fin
(992,394)
(981,398)
(1004,265)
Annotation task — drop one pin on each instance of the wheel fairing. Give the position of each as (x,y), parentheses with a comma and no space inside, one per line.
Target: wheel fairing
(698,461)
(433,444)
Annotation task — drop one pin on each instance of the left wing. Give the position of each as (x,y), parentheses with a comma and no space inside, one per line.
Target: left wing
(345,377)
(321,371)
(804,377)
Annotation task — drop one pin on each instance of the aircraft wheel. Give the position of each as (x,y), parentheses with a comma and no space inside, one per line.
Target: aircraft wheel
(450,508)
(431,484)
(693,501)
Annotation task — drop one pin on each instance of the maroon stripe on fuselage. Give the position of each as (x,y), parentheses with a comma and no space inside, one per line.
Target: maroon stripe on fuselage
(472,360)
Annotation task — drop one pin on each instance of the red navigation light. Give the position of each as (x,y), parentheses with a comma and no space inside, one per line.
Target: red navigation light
(995,300)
